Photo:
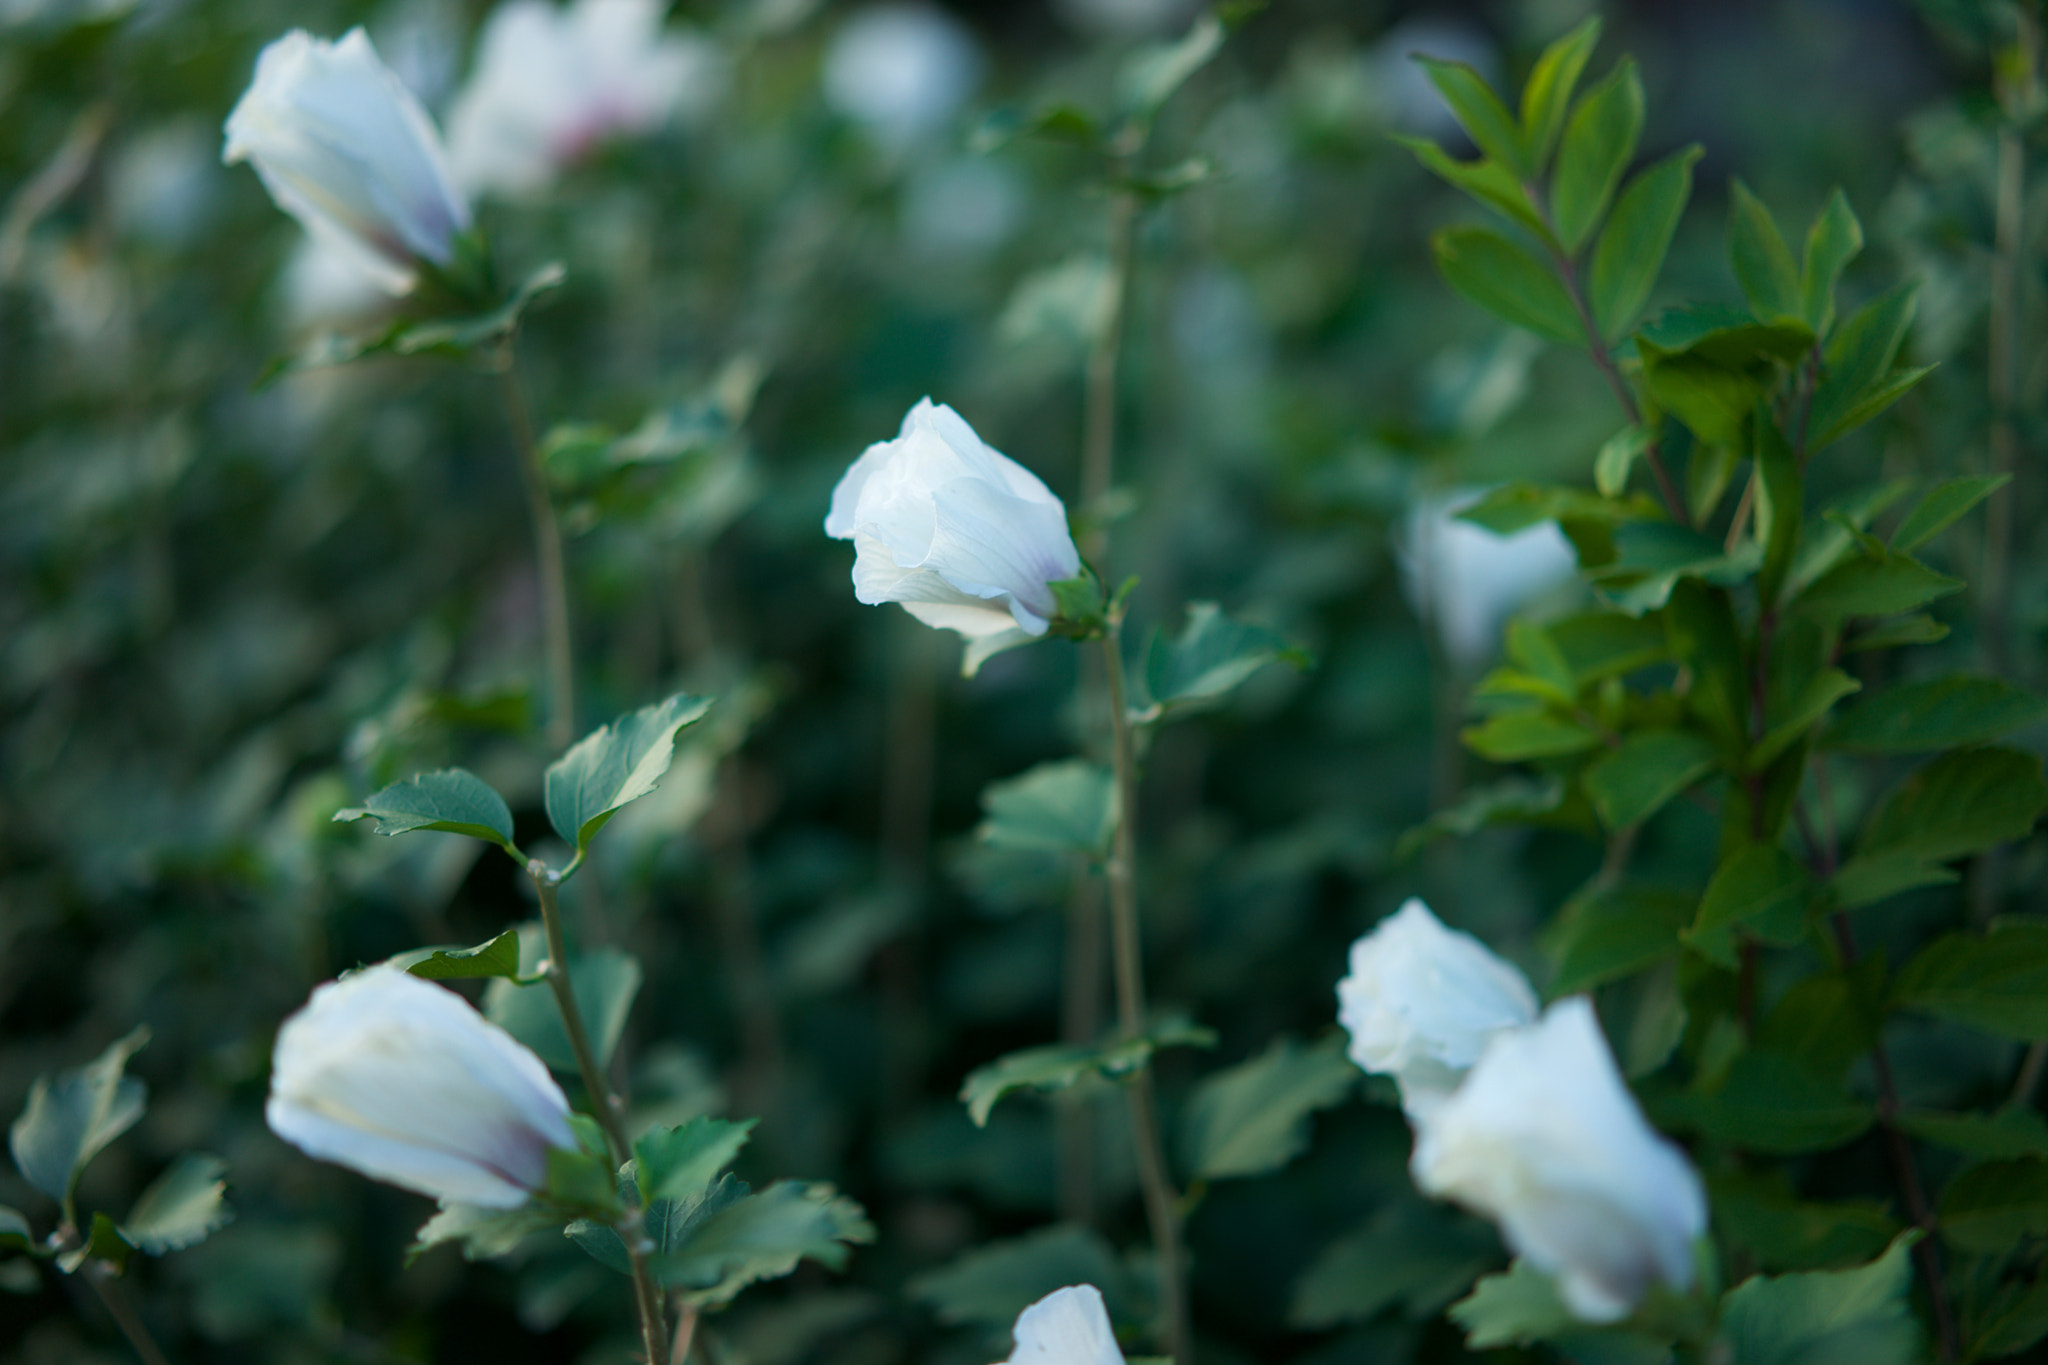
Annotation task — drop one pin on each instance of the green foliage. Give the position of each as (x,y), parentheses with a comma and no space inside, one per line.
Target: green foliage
(605,983)
(1066,806)
(1412,1254)
(1253,1118)
(1505,279)
(679,1161)
(1599,142)
(1634,242)
(759,1236)
(453,800)
(991,1284)
(72,1116)
(499,957)
(1846,1317)
(1936,713)
(1517,1307)
(457,336)
(182,1206)
(1997,981)
(1060,1066)
(1207,661)
(1962,803)
(615,764)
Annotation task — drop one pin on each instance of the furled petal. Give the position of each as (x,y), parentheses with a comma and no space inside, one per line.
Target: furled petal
(1067,1327)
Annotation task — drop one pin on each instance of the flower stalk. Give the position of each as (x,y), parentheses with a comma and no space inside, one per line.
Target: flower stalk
(547,554)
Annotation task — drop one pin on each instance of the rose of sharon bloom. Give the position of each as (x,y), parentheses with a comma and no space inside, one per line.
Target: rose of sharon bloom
(343,147)
(1466,581)
(551,84)
(901,70)
(963,536)
(400,1079)
(1067,1327)
(1544,1138)
(1422,1001)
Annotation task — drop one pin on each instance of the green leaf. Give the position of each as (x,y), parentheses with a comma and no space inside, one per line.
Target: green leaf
(483,1233)
(1843,1317)
(1911,630)
(1831,244)
(1990,1208)
(1252,1118)
(1602,644)
(1480,112)
(2004,1134)
(181,1206)
(1417,1255)
(1769,1103)
(1638,234)
(1611,933)
(991,1284)
(1828,1021)
(1617,455)
(71,1116)
(1761,889)
(1486,180)
(1516,506)
(1068,806)
(446,336)
(499,957)
(1512,800)
(1872,401)
(1997,982)
(680,1162)
(2014,1318)
(1512,736)
(1208,659)
(452,800)
(1548,95)
(604,981)
(1728,336)
(15,1233)
(1942,507)
(1151,76)
(1599,142)
(762,1237)
(1515,1308)
(1867,586)
(1763,263)
(1632,783)
(1807,710)
(1935,713)
(1780,505)
(1859,363)
(1759,1213)
(1868,880)
(1503,278)
(1059,1066)
(1961,803)
(615,764)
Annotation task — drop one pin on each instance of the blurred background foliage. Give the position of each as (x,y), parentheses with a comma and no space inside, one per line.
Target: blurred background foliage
(231,609)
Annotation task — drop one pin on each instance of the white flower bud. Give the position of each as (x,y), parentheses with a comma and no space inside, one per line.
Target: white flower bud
(345,148)
(400,1079)
(1544,1138)
(963,536)
(552,84)
(1067,1327)
(1422,1000)
(1465,581)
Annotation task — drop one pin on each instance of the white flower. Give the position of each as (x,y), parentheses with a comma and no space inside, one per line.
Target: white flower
(963,536)
(403,1081)
(1067,1327)
(1544,1138)
(1422,1001)
(551,84)
(343,147)
(1466,581)
(901,70)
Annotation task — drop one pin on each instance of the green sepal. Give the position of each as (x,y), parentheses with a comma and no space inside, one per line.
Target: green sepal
(103,1244)
(615,764)
(1081,606)
(1060,1066)
(580,1179)
(452,801)
(1518,1307)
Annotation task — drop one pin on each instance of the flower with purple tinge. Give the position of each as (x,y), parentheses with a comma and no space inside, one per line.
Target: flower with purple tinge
(1422,1000)
(346,149)
(400,1079)
(1067,1327)
(964,537)
(552,84)
(1544,1138)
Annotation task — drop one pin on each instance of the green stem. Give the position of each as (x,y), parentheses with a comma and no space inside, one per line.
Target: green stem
(1161,1201)
(1098,436)
(125,1317)
(605,1100)
(547,551)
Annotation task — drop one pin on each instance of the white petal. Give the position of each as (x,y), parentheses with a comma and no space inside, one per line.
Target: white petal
(1067,1327)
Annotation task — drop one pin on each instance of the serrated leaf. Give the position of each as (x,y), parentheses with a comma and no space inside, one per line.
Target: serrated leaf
(1859,360)
(1806,710)
(484,1233)
(1599,142)
(1769,1103)
(2002,1135)
(1990,1208)
(1632,246)
(1997,981)
(1961,803)
(1479,112)
(69,1117)
(1763,263)
(680,1161)
(1548,95)
(1059,1066)
(1610,933)
(1417,1255)
(1067,806)
(1759,1213)
(1503,278)
(182,1206)
(762,1237)
(499,957)
(1944,504)
(1935,713)
(1834,240)
(615,764)
(1208,659)
(1630,784)
(990,1284)
(605,983)
(1252,1118)
(1876,587)
(1517,1307)
(453,801)
(1761,889)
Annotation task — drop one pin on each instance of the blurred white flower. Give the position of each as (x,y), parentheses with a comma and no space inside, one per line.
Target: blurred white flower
(551,84)
(1544,1138)
(321,287)
(162,184)
(343,147)
(400,1079)
(901,70)
(1422,1000)
(1067,1327)
(1466,581)
(963,536)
